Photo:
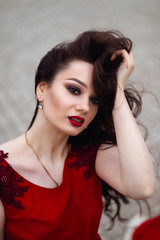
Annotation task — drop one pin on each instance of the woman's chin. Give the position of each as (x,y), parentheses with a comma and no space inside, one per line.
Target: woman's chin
(76,133)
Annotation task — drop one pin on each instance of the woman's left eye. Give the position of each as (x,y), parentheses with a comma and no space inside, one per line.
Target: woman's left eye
(74,90)
(94,100)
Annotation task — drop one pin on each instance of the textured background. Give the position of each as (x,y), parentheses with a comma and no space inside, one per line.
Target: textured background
(30,28)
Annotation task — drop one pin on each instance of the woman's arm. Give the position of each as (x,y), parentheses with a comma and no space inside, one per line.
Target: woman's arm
(127,167)
(2,221)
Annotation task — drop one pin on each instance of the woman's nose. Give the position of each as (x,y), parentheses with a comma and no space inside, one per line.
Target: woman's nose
(83,106)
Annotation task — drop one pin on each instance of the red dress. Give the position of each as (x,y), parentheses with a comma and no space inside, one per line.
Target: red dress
(69,212)
(149,230)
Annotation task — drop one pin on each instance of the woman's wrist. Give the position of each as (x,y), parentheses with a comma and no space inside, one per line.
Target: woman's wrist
(119,99)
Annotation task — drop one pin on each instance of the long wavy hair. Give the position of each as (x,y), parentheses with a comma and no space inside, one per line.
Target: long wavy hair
(95,47)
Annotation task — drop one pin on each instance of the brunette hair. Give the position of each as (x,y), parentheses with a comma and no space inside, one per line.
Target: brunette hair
(95,47)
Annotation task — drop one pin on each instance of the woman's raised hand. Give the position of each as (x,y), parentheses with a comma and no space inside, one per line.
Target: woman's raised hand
(126,68)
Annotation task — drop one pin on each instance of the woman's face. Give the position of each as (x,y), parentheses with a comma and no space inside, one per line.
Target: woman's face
(69,103)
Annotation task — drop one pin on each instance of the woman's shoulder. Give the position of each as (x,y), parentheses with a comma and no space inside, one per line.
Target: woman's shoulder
(12,145)
(13,148)
(15,153)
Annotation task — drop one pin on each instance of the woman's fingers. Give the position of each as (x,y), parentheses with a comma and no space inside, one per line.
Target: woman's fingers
(127,58)
(127,66)
(119,52)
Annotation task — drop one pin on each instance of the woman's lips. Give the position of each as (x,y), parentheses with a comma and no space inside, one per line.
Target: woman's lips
(76,120)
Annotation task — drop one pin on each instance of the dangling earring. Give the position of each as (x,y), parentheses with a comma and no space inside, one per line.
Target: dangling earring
(40,106)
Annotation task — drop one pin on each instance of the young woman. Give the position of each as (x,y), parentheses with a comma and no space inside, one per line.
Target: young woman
(83,142)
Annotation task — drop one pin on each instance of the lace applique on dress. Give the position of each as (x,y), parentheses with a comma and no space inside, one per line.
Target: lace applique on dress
(10,182)
(84,156)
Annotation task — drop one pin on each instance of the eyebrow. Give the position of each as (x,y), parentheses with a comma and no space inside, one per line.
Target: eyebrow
(78,81)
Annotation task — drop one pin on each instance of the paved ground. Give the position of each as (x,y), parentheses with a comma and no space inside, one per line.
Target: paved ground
(29,28)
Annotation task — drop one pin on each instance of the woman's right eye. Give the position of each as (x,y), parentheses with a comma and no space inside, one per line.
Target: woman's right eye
(74,90)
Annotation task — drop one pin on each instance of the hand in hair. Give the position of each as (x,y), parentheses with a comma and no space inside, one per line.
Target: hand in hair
(126,68)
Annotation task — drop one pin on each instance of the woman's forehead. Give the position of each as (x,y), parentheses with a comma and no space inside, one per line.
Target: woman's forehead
(80,70)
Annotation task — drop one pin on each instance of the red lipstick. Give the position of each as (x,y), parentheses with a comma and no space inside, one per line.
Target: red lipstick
(76,121)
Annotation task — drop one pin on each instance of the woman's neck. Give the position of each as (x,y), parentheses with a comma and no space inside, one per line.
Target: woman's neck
(49,143)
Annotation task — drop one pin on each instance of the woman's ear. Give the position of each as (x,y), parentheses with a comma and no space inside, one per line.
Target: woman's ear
(41,87)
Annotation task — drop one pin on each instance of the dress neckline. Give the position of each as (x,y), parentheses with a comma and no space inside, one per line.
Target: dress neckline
(5,156)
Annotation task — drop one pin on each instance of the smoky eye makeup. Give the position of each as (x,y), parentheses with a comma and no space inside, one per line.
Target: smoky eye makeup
(73,90)
(94,100)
